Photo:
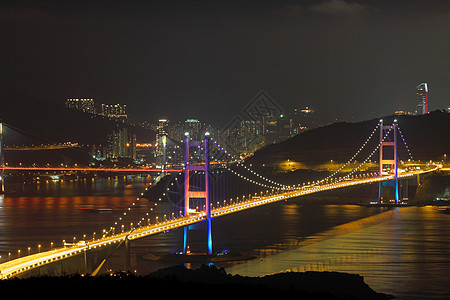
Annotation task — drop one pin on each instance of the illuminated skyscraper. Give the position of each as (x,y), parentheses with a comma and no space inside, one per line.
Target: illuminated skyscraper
(251,136)
(161,141)
(114,111)
(122,144)
(284,124)
(83,104)
(422,99)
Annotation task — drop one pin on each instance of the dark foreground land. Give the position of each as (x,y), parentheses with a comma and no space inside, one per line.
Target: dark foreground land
(207,281)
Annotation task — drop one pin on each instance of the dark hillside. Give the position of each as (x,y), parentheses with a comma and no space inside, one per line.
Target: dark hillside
(427,136)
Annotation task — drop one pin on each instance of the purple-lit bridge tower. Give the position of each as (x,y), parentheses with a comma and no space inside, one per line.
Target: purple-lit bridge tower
(190,193)
(388,158)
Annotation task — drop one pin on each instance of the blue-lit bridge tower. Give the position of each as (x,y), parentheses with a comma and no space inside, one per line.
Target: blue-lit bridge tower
(388,158)
(190,193)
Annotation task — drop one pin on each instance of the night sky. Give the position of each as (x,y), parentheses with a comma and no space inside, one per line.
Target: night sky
(349,60)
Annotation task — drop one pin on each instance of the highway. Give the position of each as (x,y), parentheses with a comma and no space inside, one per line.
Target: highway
(20,265)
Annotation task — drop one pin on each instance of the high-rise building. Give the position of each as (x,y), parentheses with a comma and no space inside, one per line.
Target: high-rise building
(422,99)
(83,104)
(270,130)
(284,124)
(122,144)
(161,141)
(251,136)
(115,111)
(302,119)
(161,129)
(195,128)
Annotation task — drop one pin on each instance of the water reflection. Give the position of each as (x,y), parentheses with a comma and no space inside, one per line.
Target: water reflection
(41,213)
(112,185)
(402,252)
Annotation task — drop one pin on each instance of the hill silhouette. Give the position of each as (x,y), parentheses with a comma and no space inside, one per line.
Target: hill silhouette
(208,279)
(427,136)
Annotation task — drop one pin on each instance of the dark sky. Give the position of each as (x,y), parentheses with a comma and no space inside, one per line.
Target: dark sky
(351,60)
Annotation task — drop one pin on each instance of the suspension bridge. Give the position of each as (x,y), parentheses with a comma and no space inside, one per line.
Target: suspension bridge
(202,191)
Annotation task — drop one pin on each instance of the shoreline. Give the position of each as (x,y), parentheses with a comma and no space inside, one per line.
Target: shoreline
(308,285)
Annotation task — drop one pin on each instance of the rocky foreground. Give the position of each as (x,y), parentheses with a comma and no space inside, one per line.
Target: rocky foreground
(207,281)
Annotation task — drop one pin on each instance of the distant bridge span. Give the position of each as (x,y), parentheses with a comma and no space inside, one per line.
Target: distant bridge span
(73,169)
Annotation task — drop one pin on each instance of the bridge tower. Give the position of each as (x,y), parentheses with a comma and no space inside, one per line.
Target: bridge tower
(388,159)
(191,194)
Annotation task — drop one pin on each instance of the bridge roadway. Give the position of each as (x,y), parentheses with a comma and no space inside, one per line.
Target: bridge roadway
(23,264)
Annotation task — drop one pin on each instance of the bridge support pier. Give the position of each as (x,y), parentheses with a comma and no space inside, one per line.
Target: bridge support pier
(127,255)
(85,262)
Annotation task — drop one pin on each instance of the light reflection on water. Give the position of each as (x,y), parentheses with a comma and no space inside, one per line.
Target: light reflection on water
(403,252)
(45,213)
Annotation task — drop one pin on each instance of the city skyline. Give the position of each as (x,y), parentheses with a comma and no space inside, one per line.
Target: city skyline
(119,111)
(349,60)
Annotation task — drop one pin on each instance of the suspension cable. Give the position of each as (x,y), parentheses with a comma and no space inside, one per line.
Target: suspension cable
(354,156)
(404,142)
(239,163)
